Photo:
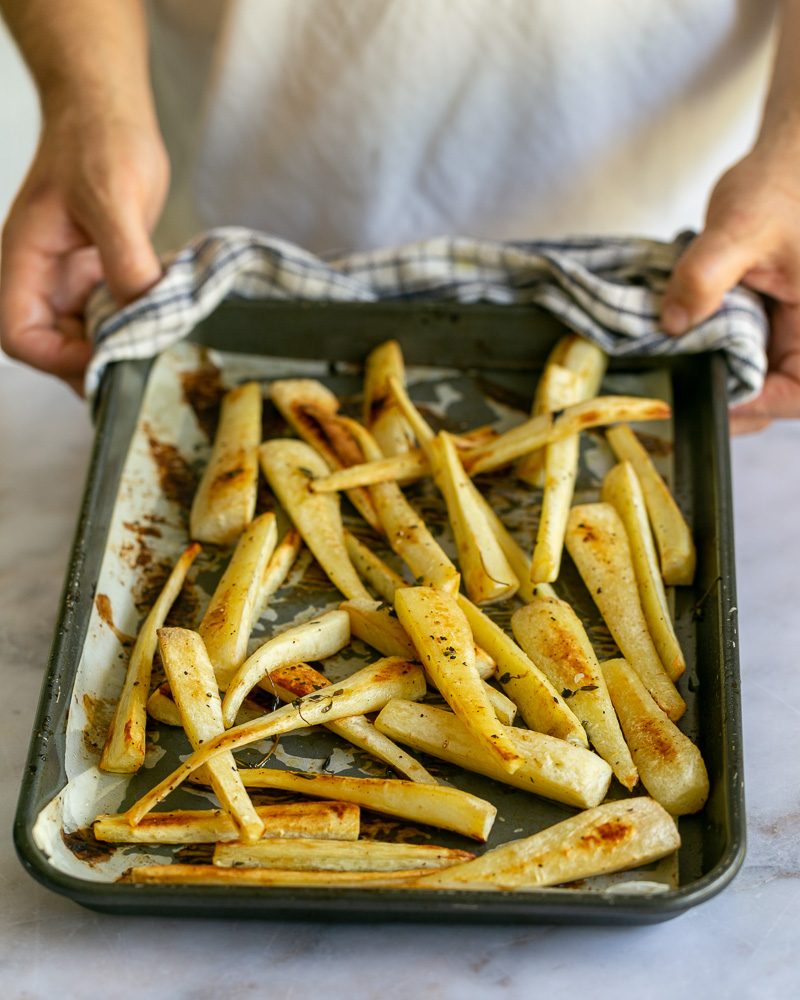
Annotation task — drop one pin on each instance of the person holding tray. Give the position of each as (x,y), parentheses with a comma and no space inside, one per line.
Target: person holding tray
(350,124)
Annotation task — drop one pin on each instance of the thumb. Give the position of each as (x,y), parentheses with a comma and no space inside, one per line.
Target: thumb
(710,266)
(130,264)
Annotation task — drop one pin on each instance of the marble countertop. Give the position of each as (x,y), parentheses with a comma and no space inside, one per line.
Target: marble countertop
(742,943)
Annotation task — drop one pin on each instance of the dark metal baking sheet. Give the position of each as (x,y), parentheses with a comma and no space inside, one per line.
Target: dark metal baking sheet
(502,345)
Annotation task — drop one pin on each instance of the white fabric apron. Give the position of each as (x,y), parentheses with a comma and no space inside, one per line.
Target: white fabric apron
(351,124)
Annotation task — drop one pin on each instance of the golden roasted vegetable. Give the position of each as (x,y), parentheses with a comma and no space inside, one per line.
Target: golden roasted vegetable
(231,612)
(344,856)
(290,466)
(542,430)
(277,569)
(214,875)
(673,537)
(314,640)
(226,497)
(599,547)
(540,704)
(371,568)
(622,490)
(442,636)
(611,837)
(670,765)
(323,820)
(435,805)
(381,414)
(553,636)
(552,768)
(365,691)
(311,409)
(124,749)
(301,679)
(194,690)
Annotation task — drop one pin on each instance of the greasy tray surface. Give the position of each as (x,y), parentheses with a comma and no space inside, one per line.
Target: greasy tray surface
(713,843)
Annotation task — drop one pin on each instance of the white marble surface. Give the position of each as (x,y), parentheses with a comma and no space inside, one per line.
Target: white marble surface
(743,943)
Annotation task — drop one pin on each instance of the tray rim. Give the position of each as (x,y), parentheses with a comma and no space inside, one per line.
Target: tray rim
(115,424)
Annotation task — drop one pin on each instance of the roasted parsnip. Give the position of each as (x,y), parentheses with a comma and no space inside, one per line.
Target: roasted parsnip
(553,636)
(381,414)
(332,856)
(598,544)
(674,539)
(670,765)
(622,490)
(443,639)
(231,612)
(552,768)
(194,690)
(290,466)
(124,748)
(225,500)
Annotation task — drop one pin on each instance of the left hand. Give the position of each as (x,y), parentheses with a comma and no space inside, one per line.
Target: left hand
(752,237)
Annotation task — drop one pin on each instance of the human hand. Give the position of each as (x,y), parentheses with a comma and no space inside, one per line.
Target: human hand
(752,237)
(85,211)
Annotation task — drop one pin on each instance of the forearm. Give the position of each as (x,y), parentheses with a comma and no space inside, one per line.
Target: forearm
(88,58)
(781,118)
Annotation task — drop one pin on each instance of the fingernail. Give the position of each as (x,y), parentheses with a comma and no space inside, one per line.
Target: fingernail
(674,319)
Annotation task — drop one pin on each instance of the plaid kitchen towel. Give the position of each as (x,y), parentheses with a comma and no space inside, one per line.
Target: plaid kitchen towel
(608,290)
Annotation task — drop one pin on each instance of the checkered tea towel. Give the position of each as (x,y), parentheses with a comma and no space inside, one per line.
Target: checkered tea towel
(606,289)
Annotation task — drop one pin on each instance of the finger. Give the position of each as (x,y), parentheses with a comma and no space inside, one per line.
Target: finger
(741,424)
(711,265)
(79,272)
(28,321)
(130,264)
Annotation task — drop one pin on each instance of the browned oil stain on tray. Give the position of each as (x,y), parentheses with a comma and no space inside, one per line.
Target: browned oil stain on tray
(176,477)
(99,712)
(203,390)
(86,847)
(103,604)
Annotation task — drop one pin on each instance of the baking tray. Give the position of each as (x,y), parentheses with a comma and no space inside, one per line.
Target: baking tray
(503,348)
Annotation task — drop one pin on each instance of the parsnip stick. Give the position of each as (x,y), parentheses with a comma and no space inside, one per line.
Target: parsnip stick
(408,467)
(540,704)
(328,855)
(231,612)
(588,363)
(517,559)
(194,690)
(301,679)
(670,765)
(124,749)
(560,473)
(553,636)
(314,640)
(673,537)
(405,530)
(538,431)
(504,448)
(442,636)
(555,384)
(487,574)
(598,544)
(611,837)
(435,805)
(322,820)
(621,488)
(226,497)
(366,691)
(381,414)
(309,407)
(371,568)
(277,569)
(162,708)
(377,624)
(551,768)
(289,467)
(179,874)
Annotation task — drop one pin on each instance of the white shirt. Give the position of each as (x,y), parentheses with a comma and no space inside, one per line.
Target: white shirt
(350,124)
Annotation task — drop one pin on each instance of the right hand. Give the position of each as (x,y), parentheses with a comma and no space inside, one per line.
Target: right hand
(84,213)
